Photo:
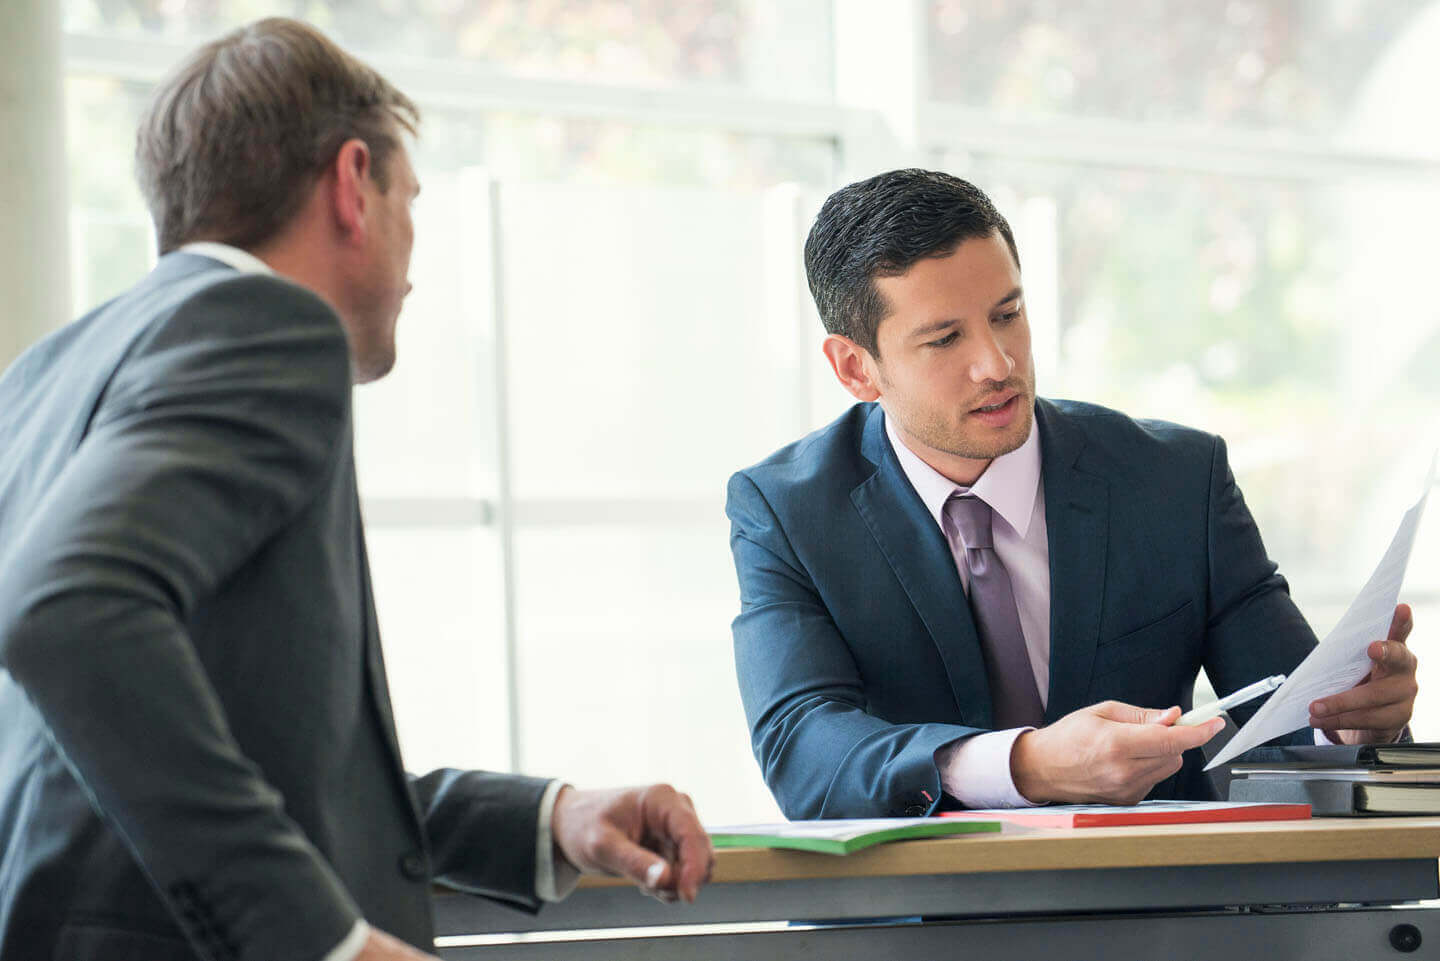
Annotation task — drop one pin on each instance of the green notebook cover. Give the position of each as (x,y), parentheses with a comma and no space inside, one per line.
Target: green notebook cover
(842,836)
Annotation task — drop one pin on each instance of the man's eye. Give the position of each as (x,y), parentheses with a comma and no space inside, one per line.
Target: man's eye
(945,341)
(1007,318)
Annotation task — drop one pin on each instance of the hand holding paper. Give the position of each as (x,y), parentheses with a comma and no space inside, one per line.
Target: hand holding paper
(1379,707)
(1345,663)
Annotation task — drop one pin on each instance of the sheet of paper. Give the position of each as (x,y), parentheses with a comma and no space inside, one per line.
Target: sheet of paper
(1340,661)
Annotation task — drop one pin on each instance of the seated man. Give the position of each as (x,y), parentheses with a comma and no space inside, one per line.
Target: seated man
(961,594)
(197,754)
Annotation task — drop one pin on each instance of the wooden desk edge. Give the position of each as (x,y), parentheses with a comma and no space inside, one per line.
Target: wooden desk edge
(1124,847)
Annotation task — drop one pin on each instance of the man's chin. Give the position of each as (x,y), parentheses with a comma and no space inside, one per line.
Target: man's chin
(987,444)
(370,369)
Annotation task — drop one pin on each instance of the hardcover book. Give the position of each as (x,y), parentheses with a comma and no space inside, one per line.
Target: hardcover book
(1341,798)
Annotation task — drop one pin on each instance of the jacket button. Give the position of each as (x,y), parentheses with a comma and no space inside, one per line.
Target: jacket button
(915,811)
(412,866)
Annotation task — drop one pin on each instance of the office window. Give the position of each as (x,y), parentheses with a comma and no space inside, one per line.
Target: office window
(1276,65)
(1224,220)
(110,233)
(705,43)
(437,590)
(652,343)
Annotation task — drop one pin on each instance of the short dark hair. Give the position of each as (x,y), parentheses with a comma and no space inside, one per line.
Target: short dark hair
(881,227)
(232,142)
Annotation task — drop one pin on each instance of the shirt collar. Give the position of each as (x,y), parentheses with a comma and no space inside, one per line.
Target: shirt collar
(1009,485)
(241,260)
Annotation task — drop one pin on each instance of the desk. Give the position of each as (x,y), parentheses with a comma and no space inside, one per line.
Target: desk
(1317,890)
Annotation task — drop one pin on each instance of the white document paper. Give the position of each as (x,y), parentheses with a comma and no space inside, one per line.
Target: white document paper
(1340,660)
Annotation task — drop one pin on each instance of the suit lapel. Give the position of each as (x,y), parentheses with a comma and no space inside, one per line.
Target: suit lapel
(1077,515)
(917,552)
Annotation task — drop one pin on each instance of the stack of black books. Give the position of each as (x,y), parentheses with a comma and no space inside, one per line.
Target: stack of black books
(1341,780)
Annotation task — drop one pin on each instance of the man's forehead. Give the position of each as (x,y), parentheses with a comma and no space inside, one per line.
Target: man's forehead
(963,281)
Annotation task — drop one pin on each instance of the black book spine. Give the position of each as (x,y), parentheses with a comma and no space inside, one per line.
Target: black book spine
(1326,798)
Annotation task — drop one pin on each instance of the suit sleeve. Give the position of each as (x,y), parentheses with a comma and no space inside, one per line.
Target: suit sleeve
(222,423)
(1254,628)
(821,752)
(482,829)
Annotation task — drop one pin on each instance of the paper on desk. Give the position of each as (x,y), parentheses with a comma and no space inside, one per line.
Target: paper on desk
(1340,661)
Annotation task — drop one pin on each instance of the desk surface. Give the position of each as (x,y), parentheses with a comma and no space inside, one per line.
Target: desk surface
(1035,849)
(1161,891)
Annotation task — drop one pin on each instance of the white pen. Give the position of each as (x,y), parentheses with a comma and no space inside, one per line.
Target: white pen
(1201,714)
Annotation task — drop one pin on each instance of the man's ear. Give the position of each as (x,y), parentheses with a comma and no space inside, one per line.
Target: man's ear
(854,367)
(348,174)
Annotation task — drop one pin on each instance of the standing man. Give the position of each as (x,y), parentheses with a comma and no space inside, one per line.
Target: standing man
(959,594)
(197,754)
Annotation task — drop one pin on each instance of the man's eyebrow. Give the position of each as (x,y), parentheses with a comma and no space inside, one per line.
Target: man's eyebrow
(1015,294)
(932,328)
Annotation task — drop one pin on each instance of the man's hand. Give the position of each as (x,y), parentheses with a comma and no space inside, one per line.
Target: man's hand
(1377,709)
(379,946)
(650,835)
(1109,753)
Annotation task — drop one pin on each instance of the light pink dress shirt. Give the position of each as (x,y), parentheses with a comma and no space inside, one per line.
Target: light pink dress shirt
(976,771)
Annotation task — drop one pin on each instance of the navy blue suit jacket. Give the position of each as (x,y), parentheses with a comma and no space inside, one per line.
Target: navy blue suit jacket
(855,649)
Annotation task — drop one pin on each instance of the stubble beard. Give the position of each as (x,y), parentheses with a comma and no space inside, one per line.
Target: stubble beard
(953,443)
(938,434)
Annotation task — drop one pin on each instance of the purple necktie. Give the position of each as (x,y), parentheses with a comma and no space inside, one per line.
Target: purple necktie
(992,603)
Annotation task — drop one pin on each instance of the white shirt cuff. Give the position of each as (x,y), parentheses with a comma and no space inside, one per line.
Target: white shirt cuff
(976,771)
(350,947)
(555,877)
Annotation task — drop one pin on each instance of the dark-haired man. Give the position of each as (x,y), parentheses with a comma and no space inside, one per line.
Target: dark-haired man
(197,755)
(960,594)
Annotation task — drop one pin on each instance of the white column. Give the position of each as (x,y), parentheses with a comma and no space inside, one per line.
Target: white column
(34,251)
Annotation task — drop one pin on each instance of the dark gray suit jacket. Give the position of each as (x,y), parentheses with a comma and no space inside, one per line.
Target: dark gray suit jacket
(197,753)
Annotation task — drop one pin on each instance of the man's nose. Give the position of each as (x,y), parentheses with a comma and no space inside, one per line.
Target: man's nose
(992,363)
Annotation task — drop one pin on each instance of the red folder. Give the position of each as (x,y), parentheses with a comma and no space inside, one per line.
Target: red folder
(1148,812)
